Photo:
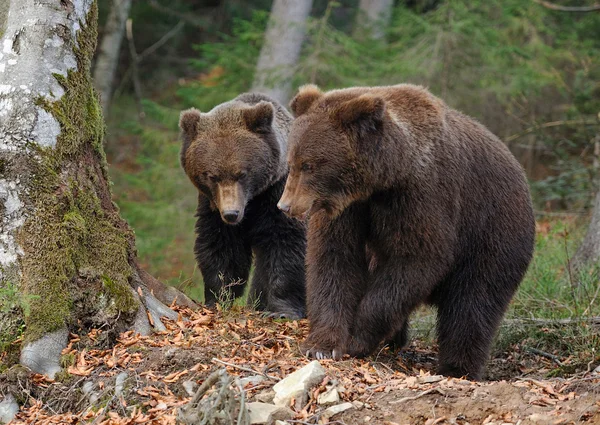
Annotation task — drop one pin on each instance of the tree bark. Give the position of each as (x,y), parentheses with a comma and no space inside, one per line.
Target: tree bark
(588,253)
(67,259)
(373,18)
(108,53)
(281,49)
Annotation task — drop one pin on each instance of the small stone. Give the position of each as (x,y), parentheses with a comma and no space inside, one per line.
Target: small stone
(87,387)
(538,418)
(358,404)
(265,396)
(265,413)
(430,379)
(334,410)
(297,384)
(367,419)
(170,353)
(597,370)
(282,423)
(8,409)
(120,383)
(189,387)
(330,396)
(253,380)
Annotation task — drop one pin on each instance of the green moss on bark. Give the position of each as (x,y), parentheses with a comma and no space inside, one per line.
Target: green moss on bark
(75,241)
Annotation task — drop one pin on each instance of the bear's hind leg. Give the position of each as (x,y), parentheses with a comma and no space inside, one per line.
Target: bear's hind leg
(399,338)
(471,304)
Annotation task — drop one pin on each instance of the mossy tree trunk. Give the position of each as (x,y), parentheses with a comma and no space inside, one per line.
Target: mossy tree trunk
(281,49)
(67,259)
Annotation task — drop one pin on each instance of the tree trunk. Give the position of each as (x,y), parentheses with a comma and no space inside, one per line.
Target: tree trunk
(67,259)
(108,53)
(373,18)
(281,49)
(588,253)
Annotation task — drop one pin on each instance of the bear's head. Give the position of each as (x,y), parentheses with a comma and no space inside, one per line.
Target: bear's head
(330,150)
(230,154)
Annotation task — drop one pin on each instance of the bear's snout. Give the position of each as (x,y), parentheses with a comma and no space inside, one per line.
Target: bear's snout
(283,207)
(231,201)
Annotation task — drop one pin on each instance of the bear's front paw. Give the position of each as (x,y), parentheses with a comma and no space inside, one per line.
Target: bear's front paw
(358,348)
(334,354)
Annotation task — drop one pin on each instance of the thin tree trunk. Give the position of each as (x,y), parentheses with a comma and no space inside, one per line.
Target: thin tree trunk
(67,259)
(108,53)
(281,49)
(373,18)
(588,253)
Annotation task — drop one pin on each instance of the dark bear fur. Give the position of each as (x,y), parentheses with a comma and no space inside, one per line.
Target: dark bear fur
(236,157)
(409,202)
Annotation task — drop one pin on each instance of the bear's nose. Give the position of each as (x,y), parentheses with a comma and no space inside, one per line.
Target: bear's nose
(283,207)
(231,216)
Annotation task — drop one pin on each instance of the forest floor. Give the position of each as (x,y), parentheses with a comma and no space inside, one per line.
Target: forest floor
(145,380)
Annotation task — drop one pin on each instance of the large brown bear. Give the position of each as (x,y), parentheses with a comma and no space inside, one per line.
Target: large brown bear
(409,201)
(235,155)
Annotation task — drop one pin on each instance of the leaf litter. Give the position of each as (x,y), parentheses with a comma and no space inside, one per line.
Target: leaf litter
(149,380)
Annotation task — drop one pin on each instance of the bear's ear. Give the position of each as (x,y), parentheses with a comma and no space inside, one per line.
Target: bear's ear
(259,117)
(307,95)
(189,121)
(365,112)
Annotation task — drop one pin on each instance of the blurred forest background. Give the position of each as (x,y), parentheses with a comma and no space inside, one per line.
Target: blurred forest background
(529,72)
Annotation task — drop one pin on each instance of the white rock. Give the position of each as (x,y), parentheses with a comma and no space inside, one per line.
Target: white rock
(334,410)
(358,404)
(297,384)
(430,379)
(539,418)
(120,383)
(8,409)
(265,396)
(253,380)
(265,413)
(282,423)
(189,387)
(329,397)
(87,387)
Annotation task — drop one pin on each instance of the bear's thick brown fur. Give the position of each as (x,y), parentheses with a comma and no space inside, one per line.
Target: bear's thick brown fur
(235,155)
(409,201)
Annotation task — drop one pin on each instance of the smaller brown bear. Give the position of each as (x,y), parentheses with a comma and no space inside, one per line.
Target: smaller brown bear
(235,155)
(409,202)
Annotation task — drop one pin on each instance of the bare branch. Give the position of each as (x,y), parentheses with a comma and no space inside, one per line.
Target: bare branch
(547,125)
(160,42)
(183,16)
(580,9)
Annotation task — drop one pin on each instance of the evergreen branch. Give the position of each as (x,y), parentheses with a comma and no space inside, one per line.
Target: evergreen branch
(580,9)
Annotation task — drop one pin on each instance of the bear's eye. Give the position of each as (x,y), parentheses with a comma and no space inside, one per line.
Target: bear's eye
(213,178)
(306,167)
(242,175)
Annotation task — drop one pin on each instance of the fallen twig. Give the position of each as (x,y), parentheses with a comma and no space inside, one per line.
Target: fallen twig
(246,369)
(552,357)
(424,393)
